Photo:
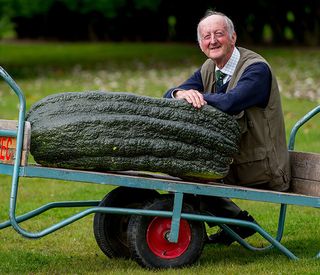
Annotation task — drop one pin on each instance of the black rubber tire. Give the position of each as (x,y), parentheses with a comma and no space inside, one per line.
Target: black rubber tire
(140,226)
(110,230)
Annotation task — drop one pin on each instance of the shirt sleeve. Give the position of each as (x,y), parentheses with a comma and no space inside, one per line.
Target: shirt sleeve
(252,89)
(194,82)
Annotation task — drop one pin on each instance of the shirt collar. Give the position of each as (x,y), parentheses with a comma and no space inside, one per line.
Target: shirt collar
(231,65)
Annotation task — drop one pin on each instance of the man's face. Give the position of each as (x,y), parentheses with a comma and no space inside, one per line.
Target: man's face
(215,40)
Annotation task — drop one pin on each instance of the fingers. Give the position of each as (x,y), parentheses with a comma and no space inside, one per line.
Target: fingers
(191,96)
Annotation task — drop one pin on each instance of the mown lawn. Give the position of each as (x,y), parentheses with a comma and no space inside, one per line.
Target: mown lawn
(41,69)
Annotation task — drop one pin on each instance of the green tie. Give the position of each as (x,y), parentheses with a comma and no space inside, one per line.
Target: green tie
(219,78)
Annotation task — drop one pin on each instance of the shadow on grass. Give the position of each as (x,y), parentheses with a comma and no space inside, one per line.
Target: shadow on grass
(304,249)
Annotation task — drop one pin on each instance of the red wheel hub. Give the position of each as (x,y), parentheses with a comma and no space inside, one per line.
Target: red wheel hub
(157,238)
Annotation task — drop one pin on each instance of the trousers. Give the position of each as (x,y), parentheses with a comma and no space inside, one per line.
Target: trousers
(221,207)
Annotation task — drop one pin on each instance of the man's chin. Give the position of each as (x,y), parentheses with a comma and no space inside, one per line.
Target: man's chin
(215,53)
(214,57)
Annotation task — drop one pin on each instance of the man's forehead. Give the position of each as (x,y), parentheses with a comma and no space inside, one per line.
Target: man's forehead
(213,21)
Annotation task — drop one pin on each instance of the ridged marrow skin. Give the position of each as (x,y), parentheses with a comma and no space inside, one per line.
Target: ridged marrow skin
(105,131)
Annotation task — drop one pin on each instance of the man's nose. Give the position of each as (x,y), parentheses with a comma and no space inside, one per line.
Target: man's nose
(213,38)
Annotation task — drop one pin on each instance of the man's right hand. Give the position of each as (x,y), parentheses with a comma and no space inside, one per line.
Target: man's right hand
(191,96)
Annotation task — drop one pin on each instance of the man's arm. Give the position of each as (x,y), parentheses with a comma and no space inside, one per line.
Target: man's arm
(253,89)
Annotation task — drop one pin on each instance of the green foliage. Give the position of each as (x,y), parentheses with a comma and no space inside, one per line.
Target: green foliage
(6,28)
(109,8)
(295,22)
(147,4)
(6,8)
(267,33)
(290,16)
(288,33)
(26,8)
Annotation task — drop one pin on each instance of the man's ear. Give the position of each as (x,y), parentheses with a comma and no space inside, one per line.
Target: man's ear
(199,43)
(234,38)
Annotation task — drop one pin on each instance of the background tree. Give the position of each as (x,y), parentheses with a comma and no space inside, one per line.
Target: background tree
(258,21)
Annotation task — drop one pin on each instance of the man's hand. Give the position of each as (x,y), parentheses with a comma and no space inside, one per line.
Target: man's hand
(191,96)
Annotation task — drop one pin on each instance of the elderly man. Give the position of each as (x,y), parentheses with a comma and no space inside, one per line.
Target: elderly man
(241,83)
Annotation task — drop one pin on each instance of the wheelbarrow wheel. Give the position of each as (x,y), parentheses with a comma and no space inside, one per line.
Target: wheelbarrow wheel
(148,238)
(110,230)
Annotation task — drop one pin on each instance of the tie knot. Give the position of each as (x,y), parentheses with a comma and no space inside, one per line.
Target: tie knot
(219,78)
(220,75)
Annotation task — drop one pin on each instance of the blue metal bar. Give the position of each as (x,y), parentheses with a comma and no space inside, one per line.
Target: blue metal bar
(253,248)
(82,214)
(7,169)
(252,225)
(281,222)
(171,185)
(20,132)
(166,185)
(8,133)
(49,206)
(295,129)
(302,121)
(175,222)
(168,214)
(243,242)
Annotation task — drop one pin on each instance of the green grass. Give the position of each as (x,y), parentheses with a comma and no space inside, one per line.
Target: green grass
(148,69)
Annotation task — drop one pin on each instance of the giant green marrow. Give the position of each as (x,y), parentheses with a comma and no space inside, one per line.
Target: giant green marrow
(120,131)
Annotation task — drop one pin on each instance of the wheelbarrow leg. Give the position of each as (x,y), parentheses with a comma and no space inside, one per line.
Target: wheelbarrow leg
(176,216)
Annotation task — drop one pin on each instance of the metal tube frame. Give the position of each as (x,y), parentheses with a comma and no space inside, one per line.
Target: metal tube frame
(178,188)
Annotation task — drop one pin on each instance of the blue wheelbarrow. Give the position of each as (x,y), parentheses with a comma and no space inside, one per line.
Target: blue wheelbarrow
(150,217)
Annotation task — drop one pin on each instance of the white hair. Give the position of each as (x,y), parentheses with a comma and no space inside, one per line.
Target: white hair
(229,23)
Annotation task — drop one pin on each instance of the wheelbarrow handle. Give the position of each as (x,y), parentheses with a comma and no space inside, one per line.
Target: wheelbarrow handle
(299,123)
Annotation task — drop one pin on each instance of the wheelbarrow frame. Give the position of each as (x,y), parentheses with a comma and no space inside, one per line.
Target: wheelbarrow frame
(143,181)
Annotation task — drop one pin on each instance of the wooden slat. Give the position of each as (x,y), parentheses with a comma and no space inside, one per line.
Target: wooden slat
(305,187)
(8,144)
(305,165)
(305,170)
